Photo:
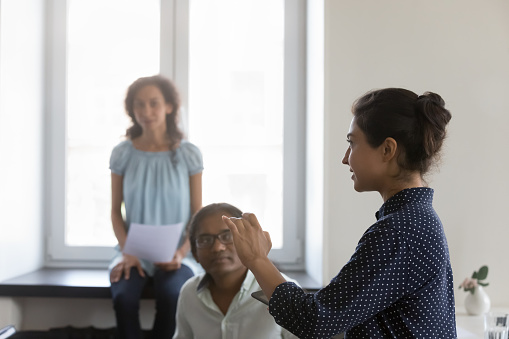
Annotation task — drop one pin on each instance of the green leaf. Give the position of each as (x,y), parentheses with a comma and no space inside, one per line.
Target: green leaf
(483,284)
(482,273)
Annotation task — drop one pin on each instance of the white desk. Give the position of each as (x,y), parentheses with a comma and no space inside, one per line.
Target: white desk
(472,326)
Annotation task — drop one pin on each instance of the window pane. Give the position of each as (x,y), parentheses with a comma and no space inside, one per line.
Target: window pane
(236,104)
(110,44)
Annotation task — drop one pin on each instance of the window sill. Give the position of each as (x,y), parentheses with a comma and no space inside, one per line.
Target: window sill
(89,283)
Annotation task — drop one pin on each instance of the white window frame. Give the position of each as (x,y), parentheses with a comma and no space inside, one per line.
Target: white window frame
(174,64)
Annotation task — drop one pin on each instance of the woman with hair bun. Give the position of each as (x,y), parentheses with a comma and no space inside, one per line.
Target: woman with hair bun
(399,282)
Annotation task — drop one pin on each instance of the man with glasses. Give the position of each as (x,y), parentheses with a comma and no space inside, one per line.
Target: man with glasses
(218,303)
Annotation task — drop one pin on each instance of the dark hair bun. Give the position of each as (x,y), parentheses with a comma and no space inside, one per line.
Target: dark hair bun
(432,98)
(433,117)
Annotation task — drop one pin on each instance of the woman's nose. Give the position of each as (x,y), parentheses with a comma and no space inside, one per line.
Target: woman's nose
(345,158)
(145,109)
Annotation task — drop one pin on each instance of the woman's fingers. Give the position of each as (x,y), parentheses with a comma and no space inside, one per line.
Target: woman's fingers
(251,220)
(169,266)
(231,224)
(248,225)
(124,268)
(116,273)
(127,272)
(251,242)
(140,270)
(244,224)
(267,236)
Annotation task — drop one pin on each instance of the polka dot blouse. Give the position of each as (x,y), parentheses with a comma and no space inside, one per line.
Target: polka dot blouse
(397,284)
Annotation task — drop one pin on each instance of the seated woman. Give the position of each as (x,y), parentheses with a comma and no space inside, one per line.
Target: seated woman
(156,175)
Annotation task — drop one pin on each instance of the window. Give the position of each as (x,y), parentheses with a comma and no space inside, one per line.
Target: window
(239,67)
(96,120)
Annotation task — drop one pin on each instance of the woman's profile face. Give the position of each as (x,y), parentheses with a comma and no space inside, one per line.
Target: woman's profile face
(365,162)
(150,108)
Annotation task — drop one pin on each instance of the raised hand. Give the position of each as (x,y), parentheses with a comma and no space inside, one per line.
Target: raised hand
(251,242)
(253,246)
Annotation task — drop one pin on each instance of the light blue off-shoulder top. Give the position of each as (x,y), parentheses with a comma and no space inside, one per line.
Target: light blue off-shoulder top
(155,185)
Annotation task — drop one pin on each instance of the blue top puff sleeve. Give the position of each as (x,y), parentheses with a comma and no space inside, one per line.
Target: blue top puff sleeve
(120,156)
(192,157)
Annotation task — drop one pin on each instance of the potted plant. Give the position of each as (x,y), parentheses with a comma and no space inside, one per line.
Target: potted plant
(477,301)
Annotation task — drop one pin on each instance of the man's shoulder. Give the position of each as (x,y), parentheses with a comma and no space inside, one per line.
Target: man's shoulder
(192,283)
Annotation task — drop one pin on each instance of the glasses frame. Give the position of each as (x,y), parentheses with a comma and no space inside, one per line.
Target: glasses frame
(214,237)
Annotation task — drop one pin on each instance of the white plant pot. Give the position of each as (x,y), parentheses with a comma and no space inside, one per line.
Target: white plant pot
(477,303)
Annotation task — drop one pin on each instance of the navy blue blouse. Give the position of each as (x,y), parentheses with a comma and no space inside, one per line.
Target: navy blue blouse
(397,284)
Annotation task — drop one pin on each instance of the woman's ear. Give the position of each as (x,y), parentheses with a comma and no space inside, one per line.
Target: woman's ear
(389,149)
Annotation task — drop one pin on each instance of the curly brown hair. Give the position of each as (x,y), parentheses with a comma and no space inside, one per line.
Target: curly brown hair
(171,96)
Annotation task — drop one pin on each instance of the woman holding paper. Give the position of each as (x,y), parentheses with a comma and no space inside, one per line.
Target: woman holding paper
(156,177)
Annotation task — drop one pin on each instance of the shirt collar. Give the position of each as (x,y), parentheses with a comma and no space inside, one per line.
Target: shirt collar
(420,195)
(246,284)
(204,282)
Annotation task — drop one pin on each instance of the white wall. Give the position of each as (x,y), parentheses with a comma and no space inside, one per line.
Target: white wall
(459,49)
(21,112)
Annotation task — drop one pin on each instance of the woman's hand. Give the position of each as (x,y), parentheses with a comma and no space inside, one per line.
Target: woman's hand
(253,246)
(171,265)
(251,242)
(124,268)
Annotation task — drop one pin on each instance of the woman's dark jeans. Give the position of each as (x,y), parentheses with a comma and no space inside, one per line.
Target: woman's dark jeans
(126,302)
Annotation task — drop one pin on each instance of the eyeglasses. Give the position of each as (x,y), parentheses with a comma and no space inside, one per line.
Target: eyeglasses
(207,240)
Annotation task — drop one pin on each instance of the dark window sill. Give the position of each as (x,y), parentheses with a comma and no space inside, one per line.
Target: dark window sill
(89,283)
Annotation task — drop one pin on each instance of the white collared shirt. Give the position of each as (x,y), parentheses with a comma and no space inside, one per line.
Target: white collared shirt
(199,317)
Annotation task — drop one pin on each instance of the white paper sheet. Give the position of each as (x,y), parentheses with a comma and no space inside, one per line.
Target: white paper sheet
(153,243)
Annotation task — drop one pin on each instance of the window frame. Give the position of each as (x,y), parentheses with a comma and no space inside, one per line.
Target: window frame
(174,64)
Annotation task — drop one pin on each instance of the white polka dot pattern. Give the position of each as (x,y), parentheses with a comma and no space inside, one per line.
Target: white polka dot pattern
(397,284)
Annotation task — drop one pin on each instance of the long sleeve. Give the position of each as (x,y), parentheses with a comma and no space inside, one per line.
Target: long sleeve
(373,279)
